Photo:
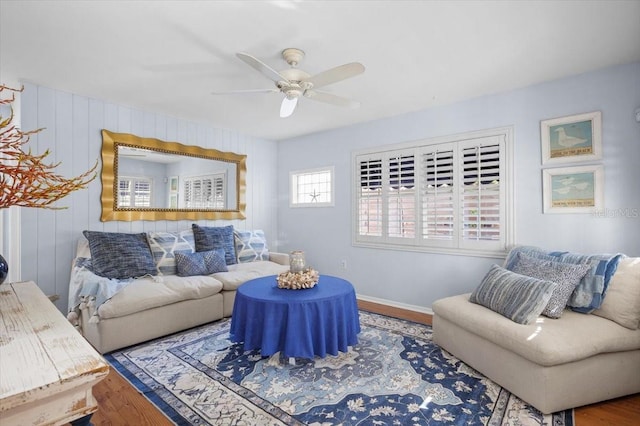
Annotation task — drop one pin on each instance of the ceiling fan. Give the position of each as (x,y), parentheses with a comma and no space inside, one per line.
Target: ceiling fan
(294,82)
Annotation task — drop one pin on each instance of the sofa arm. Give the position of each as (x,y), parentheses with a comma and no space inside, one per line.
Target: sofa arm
(280,258)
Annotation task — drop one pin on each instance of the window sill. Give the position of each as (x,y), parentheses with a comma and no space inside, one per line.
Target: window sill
(494,254)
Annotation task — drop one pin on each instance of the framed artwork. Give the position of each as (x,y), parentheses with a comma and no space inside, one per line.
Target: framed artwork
(573,189)
(173,186)
(572,139)
(173,192)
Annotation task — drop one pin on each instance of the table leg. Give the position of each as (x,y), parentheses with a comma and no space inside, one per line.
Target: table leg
(83,421)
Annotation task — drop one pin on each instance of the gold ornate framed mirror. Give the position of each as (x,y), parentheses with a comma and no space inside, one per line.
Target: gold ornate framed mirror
(150,179)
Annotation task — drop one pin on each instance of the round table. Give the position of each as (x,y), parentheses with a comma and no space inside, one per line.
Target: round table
(298,323)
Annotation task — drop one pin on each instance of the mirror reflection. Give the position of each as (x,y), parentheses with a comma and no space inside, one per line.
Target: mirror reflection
(154,179)
(149,179)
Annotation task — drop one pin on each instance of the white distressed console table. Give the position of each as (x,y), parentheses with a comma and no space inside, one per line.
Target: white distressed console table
(47,369)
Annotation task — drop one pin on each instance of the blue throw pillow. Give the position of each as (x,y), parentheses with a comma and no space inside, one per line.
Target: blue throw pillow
(120,255)
(200,263)
(209,238)
(517,297)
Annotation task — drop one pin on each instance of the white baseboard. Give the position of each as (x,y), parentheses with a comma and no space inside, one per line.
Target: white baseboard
(395,304)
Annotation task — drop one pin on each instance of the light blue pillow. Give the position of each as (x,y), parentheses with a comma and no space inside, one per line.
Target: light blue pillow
(209,238)
(120,255)
(200,263)
(164,245)
(517,297)
(566,275)
(251,246)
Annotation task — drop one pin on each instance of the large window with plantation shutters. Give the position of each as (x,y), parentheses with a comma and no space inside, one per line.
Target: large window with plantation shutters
(451,194)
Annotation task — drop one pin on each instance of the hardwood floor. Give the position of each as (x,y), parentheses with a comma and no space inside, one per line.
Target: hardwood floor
(121,404)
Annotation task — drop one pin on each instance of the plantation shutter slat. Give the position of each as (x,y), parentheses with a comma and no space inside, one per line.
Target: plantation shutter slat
(480,195)
(142,193)
(438,199)
(124,193)
(370,197)
(401,207)
(218,188)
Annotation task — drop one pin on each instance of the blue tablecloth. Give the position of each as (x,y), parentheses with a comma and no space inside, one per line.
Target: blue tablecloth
(299,323)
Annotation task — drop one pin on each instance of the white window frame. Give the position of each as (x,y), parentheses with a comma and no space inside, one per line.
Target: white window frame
(459,241)
(132,180)
(295,183)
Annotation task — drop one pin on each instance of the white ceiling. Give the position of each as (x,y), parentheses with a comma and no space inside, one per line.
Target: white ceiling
(168,56)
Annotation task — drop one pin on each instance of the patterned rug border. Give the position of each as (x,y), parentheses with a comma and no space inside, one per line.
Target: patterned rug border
(155,397)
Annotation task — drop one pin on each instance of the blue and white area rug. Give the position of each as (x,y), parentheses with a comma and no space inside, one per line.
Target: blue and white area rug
(395,376)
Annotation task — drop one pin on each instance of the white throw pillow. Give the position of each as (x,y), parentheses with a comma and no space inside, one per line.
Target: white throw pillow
(622,299)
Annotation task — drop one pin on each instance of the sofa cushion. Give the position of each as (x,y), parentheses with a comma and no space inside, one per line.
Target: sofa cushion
(242,272)
(251,246)
(622,301)
(120,255)
(213,237)
(547,341)
(200,263)
(146,293)
(589,293)
(164,245)
(565,275)
(517,297)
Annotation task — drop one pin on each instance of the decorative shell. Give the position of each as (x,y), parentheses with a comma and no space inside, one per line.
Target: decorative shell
(298,280)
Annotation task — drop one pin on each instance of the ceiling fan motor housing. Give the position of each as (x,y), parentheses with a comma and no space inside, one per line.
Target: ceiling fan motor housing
(293,56)
(295,85)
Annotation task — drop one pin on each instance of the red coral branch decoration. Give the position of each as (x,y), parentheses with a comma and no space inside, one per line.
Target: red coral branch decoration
(26,179)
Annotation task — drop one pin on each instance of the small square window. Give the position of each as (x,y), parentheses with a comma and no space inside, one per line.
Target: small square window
(312,188)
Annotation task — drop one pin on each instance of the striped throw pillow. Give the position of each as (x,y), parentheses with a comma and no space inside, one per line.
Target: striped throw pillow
(517,297)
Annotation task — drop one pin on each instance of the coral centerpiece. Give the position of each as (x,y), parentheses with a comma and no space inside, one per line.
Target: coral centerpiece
(307,278)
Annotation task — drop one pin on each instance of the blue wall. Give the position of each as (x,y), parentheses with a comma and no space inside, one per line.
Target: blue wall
(408,279)
(72,132)
(413,279)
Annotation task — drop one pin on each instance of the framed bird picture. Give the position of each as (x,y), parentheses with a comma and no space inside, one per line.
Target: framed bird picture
(575,138)
(573,189)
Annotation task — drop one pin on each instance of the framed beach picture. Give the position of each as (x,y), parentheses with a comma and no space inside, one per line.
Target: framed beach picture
(173,192)
(573,189)
(572,139)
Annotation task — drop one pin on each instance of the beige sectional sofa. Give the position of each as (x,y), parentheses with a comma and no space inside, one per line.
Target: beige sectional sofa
(553,364)
(113,314)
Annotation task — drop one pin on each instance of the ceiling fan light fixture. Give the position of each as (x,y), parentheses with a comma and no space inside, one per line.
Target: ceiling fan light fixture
(288,105)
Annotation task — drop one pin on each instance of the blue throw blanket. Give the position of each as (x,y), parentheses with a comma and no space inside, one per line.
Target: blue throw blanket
(590,293)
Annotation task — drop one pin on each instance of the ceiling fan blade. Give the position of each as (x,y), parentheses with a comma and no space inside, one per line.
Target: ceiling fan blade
(246,91)
(288,106)
(336,74)
(331,99)
(263,68)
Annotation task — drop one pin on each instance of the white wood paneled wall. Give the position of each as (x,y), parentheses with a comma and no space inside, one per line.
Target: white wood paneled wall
(72,126)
